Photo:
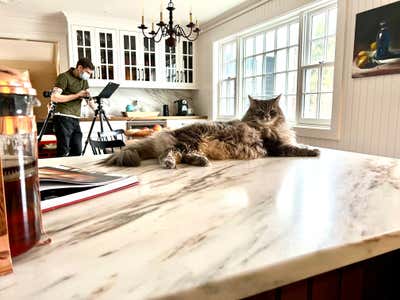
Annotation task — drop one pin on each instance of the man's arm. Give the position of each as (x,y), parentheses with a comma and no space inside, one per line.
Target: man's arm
(57,97)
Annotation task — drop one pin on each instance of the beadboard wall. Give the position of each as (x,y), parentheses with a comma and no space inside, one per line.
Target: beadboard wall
(369,117)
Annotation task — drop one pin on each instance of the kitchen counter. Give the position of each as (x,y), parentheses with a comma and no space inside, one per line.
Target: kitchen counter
(228,231)
(120,118)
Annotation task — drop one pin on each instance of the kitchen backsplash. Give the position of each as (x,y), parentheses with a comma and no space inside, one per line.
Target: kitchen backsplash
(148,100)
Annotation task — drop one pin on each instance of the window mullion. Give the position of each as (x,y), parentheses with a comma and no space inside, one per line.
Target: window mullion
(300,70)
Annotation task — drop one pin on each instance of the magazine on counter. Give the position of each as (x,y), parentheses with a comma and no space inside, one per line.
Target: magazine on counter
(62,186)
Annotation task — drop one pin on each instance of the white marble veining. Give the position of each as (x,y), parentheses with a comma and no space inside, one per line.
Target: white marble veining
(231,230)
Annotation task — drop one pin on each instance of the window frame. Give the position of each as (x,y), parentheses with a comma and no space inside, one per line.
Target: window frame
(306,129)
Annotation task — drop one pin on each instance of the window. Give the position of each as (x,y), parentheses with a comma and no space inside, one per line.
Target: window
(294,58)
(270,66)
(227,82)
(318,66)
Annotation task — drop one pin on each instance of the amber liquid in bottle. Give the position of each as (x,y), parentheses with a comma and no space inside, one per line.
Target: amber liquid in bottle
(21,182)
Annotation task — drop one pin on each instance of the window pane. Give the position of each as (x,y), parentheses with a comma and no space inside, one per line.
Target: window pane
(310,106)
(327,79)
(317,51)
(311,85)
(293,58)
(79,37)
(291,108)
(248,87)
(249,66)
(318,25)
(231,88)
(283,104)
(109,40)
(87,38)
(230,102)
(229,70)
(270,40)
(292,83)
(330,51)
(282,37)
(269,62)
(325,109)
(249,46)
(259,89)
(224,89)
(269,85)
(229,52)
(259,43)
(259,65)
(281,60)
(133,43)
(332,21)
(280,83)
(222,107)
(126,42)
(294,34)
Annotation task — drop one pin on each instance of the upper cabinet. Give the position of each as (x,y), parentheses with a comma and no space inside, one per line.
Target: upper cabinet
(129,58)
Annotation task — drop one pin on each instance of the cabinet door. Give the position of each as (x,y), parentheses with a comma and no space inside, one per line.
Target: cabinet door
(83,44)
(106,42)
(170,63)
(188,62)
(131,56)
(149,59)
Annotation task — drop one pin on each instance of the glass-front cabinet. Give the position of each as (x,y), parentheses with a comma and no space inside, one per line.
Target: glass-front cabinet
(179,64)
(132,60)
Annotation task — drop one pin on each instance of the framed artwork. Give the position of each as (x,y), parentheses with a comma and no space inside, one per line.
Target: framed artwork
(377,42)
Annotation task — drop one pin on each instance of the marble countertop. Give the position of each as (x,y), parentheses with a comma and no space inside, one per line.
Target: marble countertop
(231,230)
(122,118)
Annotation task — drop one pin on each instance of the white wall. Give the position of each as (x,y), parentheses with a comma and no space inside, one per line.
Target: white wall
(370,107)
(50,28)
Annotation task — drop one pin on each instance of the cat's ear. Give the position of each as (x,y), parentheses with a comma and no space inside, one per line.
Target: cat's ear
(253,101)
(277,99)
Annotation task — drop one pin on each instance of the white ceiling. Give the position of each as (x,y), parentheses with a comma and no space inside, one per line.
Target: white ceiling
(203,10)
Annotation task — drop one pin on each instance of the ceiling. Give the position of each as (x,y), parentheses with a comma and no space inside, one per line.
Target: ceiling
(203,10)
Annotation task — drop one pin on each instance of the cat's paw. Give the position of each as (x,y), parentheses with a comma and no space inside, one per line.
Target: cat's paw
(168,163)
(314,152)
(203,161)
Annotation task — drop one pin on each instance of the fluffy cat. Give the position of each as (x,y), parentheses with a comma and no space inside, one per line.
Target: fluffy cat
(261,132)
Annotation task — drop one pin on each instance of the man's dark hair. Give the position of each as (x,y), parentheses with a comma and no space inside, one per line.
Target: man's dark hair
(85,63)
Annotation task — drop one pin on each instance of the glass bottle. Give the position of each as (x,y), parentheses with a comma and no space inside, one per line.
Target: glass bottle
(19,155)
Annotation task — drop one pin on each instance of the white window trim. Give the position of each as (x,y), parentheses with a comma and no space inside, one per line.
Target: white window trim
(331,131)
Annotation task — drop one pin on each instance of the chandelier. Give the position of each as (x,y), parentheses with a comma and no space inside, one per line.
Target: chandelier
(170,31)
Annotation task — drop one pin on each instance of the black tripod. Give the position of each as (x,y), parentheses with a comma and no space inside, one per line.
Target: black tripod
(50,114)
(99,112)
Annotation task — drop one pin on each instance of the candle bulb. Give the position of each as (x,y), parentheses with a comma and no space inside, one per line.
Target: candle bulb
(142,19)
(191,17)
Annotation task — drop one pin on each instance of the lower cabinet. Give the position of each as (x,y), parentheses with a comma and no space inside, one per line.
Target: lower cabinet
(174,124)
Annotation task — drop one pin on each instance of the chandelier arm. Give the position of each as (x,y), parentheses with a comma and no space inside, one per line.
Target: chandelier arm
(145,35)
(193,39)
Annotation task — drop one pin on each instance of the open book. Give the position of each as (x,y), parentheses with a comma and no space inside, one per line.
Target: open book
(62,186)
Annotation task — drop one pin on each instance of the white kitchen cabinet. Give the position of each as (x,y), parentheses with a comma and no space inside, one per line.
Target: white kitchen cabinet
(100,46)
(179,62)
(132,60)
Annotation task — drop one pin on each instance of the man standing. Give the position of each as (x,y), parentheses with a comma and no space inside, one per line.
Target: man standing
(69,90)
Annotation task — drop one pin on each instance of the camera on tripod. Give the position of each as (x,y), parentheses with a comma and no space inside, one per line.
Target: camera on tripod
(47,94)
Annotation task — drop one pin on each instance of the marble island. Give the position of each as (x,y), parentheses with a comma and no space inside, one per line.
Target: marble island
(234,229)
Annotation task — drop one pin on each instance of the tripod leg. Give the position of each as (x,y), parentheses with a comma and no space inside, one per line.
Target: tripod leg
(90,132)
(46,122)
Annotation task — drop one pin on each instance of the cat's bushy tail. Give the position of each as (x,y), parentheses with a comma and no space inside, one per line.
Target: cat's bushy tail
(148,148)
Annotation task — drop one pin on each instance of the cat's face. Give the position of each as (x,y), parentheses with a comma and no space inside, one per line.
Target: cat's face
(264,111)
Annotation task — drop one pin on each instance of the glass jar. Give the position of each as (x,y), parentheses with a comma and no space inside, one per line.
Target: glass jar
(19,155)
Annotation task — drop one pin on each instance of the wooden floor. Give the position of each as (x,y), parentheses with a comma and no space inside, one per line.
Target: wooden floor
(374,279)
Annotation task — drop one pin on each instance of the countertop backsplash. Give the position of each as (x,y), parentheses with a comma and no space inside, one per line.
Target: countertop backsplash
(147,99)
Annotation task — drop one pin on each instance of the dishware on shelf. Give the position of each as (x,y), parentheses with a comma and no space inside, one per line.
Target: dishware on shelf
(19,155)
(5,253)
